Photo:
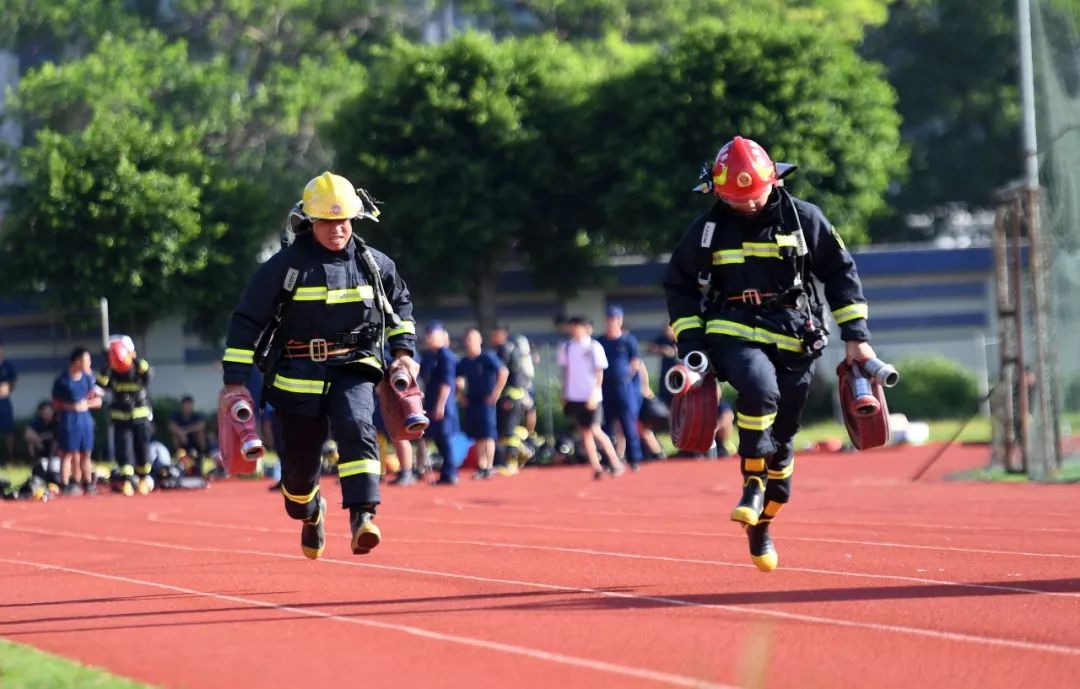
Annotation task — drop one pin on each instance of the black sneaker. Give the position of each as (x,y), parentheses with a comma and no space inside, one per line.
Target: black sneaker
(753,501)
(445,481)
(71,489)
(313,533)
(482,474)
(365,534)
(405,478)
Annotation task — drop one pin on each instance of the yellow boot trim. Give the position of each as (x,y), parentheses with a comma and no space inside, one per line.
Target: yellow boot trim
(744,515)
(127,489)
(772,508)
(366,537)
(315,553)
(766,562)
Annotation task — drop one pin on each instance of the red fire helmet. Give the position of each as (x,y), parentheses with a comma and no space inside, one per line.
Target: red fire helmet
(120,357)
(742,171)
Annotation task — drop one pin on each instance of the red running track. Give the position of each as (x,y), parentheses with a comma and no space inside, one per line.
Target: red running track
(549,579)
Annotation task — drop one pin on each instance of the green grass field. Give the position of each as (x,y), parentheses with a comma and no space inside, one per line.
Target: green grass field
(22,667)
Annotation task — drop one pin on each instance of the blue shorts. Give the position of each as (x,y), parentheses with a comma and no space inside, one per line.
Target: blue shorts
(480,421)
(7,416)
(76,433)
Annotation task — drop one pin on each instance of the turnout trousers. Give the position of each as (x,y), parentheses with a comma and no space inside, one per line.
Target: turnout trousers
(131,443)
(772,387)
(346,412)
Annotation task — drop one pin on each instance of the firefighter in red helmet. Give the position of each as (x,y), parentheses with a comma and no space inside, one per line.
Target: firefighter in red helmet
(740,288)
(127,377)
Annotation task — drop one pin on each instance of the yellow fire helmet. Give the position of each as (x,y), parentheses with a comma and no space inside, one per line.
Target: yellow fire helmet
(331,197)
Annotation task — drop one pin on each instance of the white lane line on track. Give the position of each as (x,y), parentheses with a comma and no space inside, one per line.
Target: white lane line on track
(153,517)
(558,658)
(676,602)
(461,506)
(811,539)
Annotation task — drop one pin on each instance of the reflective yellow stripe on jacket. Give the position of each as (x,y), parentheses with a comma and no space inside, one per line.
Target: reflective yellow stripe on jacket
(851,312)
(752,334)
(689,322)
(239,356)
(348,295)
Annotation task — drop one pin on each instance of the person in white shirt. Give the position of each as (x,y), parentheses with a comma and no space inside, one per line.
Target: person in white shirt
(583,362)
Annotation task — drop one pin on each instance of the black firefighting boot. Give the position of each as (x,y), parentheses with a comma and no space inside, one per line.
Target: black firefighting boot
(762,551)
(752,502)
(365,534)
(313,533)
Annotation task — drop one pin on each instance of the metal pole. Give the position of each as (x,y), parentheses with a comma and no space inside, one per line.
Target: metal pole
(104,305)
(1048,433)
(1027,95)
(1023,403)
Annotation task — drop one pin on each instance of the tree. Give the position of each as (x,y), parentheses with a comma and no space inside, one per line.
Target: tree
(663,20)
(953,64)
(109,197)
(466,144)
(807,97)
(255,142)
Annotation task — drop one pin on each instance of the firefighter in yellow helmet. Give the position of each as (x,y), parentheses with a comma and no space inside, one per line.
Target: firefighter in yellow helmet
(318,319)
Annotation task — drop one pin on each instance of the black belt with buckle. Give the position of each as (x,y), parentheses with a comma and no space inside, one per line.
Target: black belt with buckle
(791,299)
(317,349)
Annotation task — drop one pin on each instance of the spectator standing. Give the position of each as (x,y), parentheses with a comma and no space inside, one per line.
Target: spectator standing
(621,402)
(438,373)
(481,378)
(74,395)
(583,362)
(8,377)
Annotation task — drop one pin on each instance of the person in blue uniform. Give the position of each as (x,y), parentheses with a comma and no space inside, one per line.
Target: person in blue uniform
(622,402)
(74,395)
(338,305)
(8,377)
(481,378)
(740,287)
(40,436)
(438,376)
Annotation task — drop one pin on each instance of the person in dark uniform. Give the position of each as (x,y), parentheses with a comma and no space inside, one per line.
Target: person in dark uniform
(621,401)
(438,375)
(481,378)
(335,303)
(666,348)
(510,409)
(187,428)
(127,376)
(40,437)
(739,287)
(8,377)
(74,395)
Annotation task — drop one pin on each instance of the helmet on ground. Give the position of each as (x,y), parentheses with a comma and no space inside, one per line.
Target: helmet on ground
(331,197)
(121,353)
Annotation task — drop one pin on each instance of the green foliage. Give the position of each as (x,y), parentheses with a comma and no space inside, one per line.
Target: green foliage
(953,64)
(934,387)
(465,142)
(802,93)
(660,20)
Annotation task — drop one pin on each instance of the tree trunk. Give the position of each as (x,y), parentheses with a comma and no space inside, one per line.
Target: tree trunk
(484,297)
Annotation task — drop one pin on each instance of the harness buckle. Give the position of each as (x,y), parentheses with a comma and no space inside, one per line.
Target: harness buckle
(319,349)
(751,296)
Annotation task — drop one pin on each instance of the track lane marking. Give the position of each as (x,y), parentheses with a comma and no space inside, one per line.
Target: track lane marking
(156,518)
(558,658)
(676,602)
